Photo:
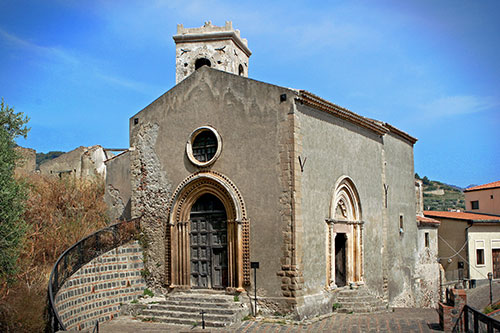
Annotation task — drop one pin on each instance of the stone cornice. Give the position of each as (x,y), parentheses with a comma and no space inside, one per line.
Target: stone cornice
(400,133)
(213,36)
(378,127)
(319,103)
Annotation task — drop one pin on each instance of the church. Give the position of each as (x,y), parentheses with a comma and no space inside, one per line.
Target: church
(225,170)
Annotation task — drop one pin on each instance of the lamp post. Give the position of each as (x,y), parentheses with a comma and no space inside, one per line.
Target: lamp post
(490,277)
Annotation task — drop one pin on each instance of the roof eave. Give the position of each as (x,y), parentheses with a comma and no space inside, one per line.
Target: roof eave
(319,103)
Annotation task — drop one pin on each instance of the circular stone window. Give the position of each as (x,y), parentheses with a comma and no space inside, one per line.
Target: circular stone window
(204,146)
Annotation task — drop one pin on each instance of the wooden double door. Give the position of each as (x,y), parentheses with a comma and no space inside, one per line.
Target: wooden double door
(208,243)
(495,253)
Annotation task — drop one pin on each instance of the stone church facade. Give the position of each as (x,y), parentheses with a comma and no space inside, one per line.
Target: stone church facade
(226,170)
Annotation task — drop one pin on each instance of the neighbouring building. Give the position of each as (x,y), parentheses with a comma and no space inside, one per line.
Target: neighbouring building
(484,199)
(80,162)
(468,243)
(225,170)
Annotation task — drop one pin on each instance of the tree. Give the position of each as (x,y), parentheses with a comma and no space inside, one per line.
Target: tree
(12,192)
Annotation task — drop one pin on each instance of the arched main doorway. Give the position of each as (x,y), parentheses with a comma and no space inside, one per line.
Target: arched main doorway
(208,242)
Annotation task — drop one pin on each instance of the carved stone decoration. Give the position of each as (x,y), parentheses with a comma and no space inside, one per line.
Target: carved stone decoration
(186,194)
(341,211)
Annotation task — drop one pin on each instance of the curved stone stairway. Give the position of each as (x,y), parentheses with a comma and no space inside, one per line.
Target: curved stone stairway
(358,300)
(184,308)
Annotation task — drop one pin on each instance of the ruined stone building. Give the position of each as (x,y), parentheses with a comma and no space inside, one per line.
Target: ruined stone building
(225,170)
(81,162)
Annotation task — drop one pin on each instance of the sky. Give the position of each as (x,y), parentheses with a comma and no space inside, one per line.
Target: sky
(81,69)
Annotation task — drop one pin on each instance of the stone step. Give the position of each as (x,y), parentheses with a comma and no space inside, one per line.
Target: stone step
(200,299)
(192,309)
(361,304)
(358,298)
(184,321)
(184,308)
(182,315)
(200,303)
(362,310)
(358,301)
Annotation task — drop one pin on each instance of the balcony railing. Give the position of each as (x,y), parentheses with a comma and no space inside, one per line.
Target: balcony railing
(472,320)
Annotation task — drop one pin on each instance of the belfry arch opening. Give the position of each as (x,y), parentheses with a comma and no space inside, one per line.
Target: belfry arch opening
(200,62)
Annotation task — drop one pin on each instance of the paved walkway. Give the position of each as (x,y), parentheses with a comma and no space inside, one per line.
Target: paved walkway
(401,320)
(479,297)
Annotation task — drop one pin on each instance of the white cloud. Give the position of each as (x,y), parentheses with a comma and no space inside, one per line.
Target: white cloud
(128,84)
(46,51)
(458,105)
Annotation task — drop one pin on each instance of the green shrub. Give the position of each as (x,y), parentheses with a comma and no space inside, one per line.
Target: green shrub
(148,292)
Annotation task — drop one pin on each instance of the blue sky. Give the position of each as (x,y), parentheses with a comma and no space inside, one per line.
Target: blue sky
(80,69)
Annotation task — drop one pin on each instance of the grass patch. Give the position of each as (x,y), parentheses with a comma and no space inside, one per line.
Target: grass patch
(148,292)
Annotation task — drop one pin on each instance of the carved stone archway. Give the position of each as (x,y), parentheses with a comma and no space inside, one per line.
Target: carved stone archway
(178,268)
(345,219)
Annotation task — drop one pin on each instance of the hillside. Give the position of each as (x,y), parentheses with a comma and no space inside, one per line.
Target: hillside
(44,157)
(440,196)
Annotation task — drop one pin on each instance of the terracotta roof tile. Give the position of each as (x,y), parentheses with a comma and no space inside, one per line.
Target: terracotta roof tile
(427,221)
(483,187)
(462,216)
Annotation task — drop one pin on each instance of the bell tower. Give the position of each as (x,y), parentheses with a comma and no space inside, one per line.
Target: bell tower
(217,47)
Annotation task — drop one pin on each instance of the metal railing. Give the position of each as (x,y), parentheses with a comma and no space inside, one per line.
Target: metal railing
(82,253)
(472,320)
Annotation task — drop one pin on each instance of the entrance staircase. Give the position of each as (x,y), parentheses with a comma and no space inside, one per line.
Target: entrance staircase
(358,300)
(184,308)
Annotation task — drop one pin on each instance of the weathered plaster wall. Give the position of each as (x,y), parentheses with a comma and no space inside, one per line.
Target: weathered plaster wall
(400,251)
(80,162)
(117,194)
(70,161)
(453,239)
(249,117)
(336,148)
(96,290)
(427,269)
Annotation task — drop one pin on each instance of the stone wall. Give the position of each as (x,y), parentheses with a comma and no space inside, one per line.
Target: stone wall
(242,111)
(97,290)
(80,162)
(117,194)
(27,162)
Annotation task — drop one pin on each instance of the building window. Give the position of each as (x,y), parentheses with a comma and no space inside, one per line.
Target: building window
(474,204)
(426,239)
(204,146)
(479,252)
(480,256)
